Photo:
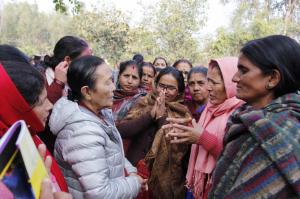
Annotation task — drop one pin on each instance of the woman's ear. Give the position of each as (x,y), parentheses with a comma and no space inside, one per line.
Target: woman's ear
(86,93)
(274,80)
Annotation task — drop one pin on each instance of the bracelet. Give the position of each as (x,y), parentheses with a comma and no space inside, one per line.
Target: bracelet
(62,84)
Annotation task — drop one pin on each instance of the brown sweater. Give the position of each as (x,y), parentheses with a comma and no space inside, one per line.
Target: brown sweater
(140,131)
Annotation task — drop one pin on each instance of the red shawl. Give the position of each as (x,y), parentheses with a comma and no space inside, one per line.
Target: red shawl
(13,107)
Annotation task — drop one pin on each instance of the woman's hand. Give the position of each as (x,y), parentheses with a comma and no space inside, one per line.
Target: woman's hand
(185,121)
(60,72)
(46,188)
(47,160)
(161,106)
(184,134)
(144,182)
(47,193)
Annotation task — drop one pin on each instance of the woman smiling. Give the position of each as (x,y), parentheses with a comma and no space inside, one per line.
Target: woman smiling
(166,162)
(88,147)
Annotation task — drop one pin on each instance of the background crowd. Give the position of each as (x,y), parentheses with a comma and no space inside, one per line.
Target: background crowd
(230,129)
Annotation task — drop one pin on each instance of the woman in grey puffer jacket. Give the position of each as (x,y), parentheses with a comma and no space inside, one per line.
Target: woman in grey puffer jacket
(88,147)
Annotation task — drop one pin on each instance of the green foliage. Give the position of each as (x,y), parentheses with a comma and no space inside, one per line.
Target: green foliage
(176,24)
(62,7)
(34,32)
(106,31)
(169,29)
(253,19)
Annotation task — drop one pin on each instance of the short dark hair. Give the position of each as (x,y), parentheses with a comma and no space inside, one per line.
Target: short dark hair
(150,65)
(276,52)
(176,74)
(11,53)
(125,64)
(182,61)
(67,46)
(81,72)
(198,69)
(29,81)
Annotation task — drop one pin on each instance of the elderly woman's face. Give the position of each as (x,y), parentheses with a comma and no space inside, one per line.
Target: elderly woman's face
(198,87)
(216,88)
(102,94)
(252,84)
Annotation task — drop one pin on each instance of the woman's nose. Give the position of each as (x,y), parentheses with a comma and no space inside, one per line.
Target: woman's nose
(130,80)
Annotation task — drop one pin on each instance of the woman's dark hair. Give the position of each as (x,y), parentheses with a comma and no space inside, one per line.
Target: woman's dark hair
(125,64)
(29,81)
(150,65)
(67,46)
(198,69)
(11,53)
(157,58)
(182,61)
(81,72)
(138,58)
(176,74)
(276,52)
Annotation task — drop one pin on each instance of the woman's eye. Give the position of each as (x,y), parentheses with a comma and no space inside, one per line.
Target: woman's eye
(243,71)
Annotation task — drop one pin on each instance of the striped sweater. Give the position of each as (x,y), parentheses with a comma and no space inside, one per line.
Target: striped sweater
(261,156)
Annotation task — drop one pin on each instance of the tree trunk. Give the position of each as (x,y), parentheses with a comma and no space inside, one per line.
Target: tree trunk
(290,8)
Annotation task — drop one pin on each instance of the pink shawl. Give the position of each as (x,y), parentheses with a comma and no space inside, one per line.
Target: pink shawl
(213,120)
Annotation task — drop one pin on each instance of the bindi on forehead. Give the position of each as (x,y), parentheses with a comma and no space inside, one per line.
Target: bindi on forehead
(132,67)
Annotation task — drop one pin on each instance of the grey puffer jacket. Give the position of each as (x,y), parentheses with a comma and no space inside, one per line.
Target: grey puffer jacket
(90,153)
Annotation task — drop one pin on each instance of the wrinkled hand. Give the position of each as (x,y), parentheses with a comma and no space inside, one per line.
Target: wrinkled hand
(60,72)
(144,182)
(169,127)
(184,134)
(46,192)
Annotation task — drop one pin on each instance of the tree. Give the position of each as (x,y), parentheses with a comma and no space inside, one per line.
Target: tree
(176,24)
(62,7)
(26,28)
(106,31)
(254,19)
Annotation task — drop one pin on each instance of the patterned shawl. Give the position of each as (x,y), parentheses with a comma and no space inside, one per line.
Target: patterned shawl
(123,102)
(261,157)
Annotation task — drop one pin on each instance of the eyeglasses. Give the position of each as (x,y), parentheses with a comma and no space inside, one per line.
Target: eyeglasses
(167,87)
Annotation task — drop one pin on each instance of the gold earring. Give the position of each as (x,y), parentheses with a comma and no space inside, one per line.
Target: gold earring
(269,86)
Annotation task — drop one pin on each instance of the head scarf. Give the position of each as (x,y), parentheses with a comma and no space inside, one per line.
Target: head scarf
(213,120)
(13,107)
